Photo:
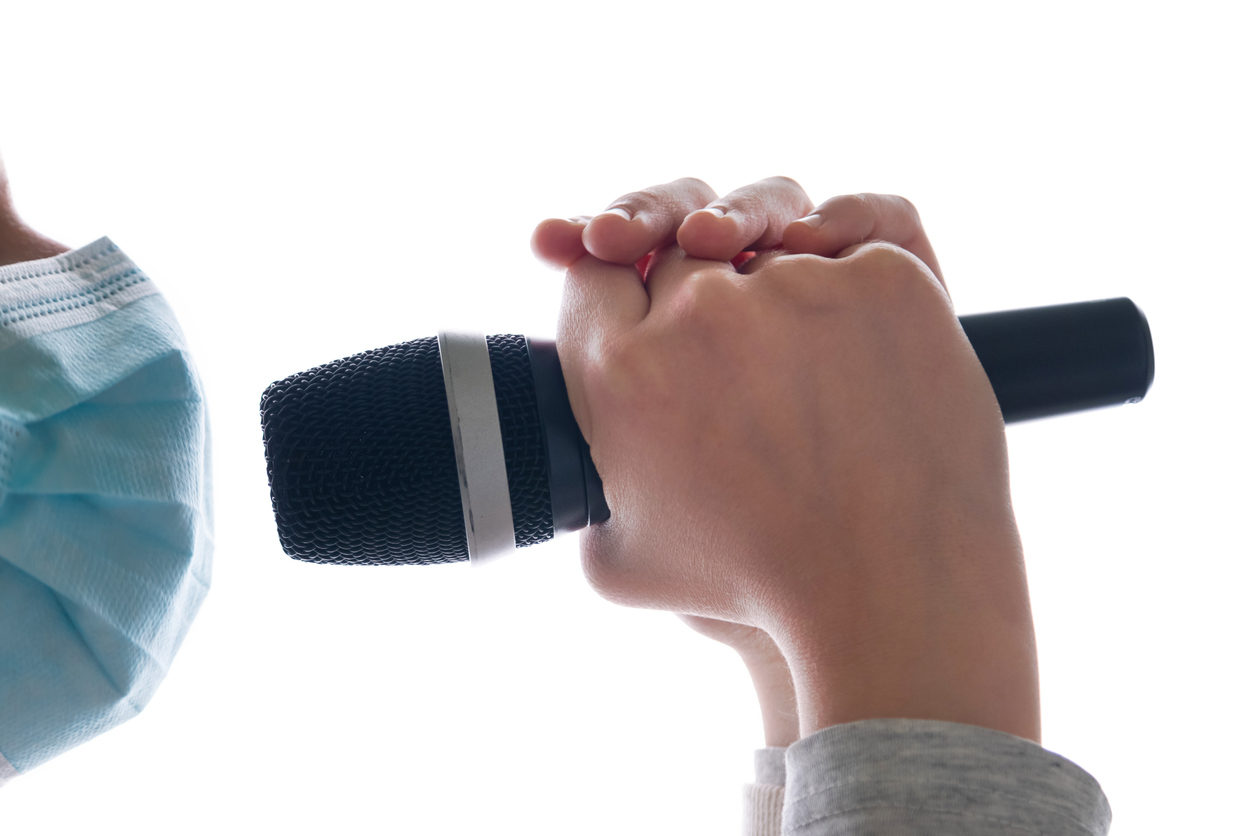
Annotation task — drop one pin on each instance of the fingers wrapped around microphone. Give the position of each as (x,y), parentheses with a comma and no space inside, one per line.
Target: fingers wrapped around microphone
(638,223)
(672,273)
(686,211)
(752,217)
(849,220)
(729,411)
(809,446)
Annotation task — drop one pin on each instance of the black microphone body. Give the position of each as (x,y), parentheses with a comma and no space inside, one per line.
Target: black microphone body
(459,446)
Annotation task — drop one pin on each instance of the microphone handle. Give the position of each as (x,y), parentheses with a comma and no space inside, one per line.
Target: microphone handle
(1040,361)
(1063,358)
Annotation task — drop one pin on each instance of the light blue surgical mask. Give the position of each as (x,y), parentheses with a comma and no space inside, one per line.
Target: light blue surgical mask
(104,499)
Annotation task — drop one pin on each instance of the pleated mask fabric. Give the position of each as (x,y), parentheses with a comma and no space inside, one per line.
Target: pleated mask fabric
(105,506)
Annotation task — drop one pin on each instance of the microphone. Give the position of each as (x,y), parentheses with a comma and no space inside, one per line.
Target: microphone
(464,447)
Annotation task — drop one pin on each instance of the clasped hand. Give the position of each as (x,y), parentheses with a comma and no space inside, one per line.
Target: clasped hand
(802,442)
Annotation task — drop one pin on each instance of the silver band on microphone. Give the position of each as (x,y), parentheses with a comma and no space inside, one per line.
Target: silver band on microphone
(481,473)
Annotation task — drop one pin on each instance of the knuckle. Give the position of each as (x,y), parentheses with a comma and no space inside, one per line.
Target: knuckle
(906,210)
(896,275)
(802,281)
(862,202)
(884,257)
(635,201)
(776,271)
(749,202)
(707,302)
(785,181)
(906,205)
(694,183)
(667,196)
(857,210)
(807,264)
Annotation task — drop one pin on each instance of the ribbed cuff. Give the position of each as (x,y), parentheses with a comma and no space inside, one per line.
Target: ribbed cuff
(764,799)
(764,809)
(936,777)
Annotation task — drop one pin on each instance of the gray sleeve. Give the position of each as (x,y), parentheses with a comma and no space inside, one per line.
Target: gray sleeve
(925,776)
(764,798)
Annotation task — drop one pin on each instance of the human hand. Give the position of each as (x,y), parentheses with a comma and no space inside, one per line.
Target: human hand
(860,516)
(770,214)
(761,216)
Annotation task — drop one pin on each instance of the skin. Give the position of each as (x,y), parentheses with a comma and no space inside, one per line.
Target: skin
(874,571)
(18,242)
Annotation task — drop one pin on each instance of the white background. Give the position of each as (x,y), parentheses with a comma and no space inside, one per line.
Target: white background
(305,181)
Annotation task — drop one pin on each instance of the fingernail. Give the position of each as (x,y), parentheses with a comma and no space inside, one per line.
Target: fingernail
(812,220)
(618,210)
(715,211)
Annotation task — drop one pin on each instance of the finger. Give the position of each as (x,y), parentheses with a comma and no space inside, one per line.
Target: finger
(559,241)
(601,301)
(671,268)
(844,221)
(750,218)
(642,221)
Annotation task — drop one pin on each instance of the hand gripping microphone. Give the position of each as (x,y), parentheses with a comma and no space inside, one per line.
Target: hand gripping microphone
(464,447)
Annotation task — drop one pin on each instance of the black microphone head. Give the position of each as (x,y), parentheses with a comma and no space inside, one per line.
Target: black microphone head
(360,459)
(365,466)
(444,449)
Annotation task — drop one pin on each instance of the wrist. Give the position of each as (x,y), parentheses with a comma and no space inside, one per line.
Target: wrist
(959,648)
(777,698)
